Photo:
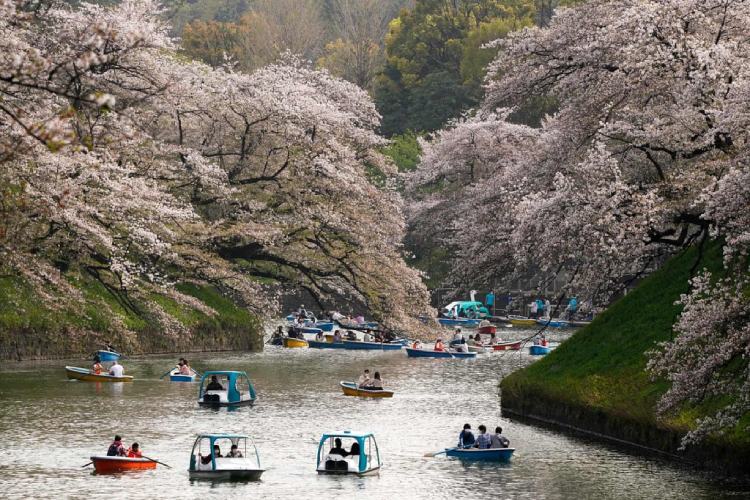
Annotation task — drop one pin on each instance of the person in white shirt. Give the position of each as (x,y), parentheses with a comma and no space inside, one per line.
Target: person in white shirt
(458,336)
(463,346)
(116,370)
(364,379)
(533,309)
(367,337)
(547,308)
(320,337)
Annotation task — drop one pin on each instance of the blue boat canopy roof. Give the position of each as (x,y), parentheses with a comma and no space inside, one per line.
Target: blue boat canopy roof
(349,434)
(214,437)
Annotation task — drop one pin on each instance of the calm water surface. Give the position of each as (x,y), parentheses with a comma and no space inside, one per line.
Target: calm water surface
(49,426)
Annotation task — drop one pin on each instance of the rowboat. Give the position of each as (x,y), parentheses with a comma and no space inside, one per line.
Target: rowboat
(477,349)
(506,346)
(314,344)
(206,464)
(353,325)
(310,330)
(465,322)
(365,461)
(494,454)
(385,346)
(236,390)
(552,322)
(579,323)
(175,376)
(487,329)
(537,350)
(351,389)
(428,353)
(521,320)
(75,373)
(290,342)
(116,464)
(108,355)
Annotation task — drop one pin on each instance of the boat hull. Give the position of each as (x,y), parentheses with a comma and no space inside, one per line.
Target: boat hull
(493,454)
(314,344)
(118,464)
(350,389)
(108,355)
(356,345)
(521,320)
(468,323)
(294,343)
(538,350)
(426,353)
(506,346)
(369,472)
(227,474)
(553,322)
(182,378)
(75,373)
(487,329)
(221,404)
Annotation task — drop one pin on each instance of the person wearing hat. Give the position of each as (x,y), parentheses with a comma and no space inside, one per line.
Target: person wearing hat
(439,345)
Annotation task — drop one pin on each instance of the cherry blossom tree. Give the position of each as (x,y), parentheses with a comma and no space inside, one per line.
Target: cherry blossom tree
(646,155)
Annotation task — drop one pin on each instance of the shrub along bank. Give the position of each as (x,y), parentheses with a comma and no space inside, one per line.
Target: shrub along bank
(596,381)
(33,329)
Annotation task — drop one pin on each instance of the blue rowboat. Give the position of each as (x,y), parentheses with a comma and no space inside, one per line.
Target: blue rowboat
(428,353)
(401,341)
(314,344)
(308,330)
(174,376)
(108,355)
(326,326)
(553,322)
(493,454)
(350,344)
(537,350)
(469,323)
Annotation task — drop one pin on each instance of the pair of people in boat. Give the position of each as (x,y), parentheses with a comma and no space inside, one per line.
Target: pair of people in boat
(484,440)
(116,370)
(183,367)
(116,449)
(354,451)
(540,340)
(234,452)
(365,382)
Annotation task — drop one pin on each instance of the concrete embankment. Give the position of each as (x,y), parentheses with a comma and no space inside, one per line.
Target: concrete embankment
(596,381)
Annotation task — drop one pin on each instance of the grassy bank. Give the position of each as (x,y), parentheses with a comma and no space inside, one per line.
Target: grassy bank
(596,381)
(31,328)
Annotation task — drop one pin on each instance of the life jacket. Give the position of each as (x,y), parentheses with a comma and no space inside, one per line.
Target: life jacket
(438,346)
(114,448)
(97,368)
(134,454)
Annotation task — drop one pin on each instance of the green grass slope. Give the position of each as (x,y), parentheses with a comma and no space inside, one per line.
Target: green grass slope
(597,381)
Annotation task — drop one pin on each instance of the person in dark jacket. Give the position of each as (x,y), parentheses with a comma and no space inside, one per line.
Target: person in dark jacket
(466,438)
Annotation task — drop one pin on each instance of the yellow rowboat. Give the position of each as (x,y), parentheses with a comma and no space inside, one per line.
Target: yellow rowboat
(351,389)
(290,342)
(521,320)
(89,376)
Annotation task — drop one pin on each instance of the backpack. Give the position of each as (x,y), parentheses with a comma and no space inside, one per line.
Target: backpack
(112,451)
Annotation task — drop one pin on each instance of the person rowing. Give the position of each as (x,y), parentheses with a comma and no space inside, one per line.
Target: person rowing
(439,345)
(97,365)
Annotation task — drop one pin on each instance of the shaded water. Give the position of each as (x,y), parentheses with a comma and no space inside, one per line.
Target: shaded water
(49,426)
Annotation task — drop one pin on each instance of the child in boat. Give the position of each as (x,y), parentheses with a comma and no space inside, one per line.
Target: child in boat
(116,449)
(497,440)
(484,440)
(134,451)
(466,438)
(234,452)
(417,345)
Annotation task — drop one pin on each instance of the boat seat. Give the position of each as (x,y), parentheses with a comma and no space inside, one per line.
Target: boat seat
(342,465)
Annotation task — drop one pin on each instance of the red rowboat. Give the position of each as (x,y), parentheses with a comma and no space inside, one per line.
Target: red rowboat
(506,346)
(487,329)
(115,464)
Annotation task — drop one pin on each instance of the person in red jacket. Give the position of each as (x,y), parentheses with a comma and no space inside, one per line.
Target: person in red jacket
(439,345)
(134,451)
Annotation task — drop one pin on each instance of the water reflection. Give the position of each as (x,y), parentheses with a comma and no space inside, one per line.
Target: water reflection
(299,399)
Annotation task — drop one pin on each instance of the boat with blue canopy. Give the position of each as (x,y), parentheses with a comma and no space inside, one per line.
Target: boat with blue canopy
(463,308)
(379,346)
(361,458)
(491,454)
(429,353)
(225,388)
(210,458)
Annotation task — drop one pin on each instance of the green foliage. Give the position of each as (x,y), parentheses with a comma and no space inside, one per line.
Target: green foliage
(435,66)
(602,366)
(404,150)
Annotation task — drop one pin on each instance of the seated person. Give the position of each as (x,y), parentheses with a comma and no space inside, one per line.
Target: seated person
(116,449)
(337,336)
(320,337)
(337,449)
(463,346)
(116,370)
(214,385)
(207,459)
(484,322)
(471,340)
(364,379)
(234,452)
(354,451)
(350,335)
(184,367)
(478,339)
(368,337)
(466,438)
(483,440)
(497,440)
(97,365)
(375,383)
(134,451)
(417,345)
(439,345)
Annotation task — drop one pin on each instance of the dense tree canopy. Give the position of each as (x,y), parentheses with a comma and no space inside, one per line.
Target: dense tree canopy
(647,154)
(122,159)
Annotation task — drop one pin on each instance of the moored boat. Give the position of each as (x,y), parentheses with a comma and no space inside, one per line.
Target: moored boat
(75,373)
(493,454)
(521,320)
(206,464)
(315,344)
(428,353)
(487,329)
(465,322)
(108,355)
(553,322)
(384,346)
(228,389)
(118,464)
(537,350)
(506,346)
(291,342)
(365,461)
(351,389)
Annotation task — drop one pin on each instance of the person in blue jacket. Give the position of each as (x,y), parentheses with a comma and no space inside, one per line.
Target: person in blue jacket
(466,438)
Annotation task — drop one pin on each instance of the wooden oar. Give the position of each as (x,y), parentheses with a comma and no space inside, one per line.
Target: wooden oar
(446,451)
(161,463)
(170,371)
(446,350)
(87,464)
